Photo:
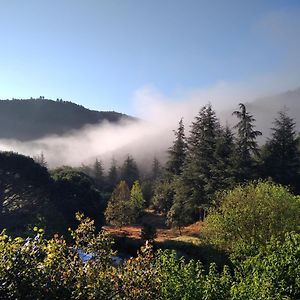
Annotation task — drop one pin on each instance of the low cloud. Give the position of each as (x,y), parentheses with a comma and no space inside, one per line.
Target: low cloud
(159,113)
(150,136)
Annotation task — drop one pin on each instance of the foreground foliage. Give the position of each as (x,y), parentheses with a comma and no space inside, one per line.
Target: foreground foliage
(40,268)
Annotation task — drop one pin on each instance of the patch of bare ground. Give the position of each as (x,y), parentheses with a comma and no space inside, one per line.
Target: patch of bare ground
(158,221)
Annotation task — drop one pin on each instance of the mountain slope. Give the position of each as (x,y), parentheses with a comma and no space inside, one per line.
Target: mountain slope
(34,118)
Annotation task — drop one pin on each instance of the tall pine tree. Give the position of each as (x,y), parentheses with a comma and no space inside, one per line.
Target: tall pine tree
(177,152)
(199,179)
(246,144)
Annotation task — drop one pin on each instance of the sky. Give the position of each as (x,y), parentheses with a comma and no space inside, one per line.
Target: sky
(119,54)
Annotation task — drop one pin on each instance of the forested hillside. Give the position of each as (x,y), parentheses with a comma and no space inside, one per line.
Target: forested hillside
(29,119)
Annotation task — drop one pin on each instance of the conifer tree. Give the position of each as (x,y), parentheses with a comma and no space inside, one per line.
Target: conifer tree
(177,152)
(183,210)
(156,169)
(98,173)
(199,179)
(118,211)
(136,201)
(246,144)
(112,178)
(281,158)
(129,171)
(225,151)
(163,194)
(199,167)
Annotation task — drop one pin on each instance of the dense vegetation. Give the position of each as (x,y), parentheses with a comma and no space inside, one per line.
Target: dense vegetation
(39,268)
(246,194)
(29,119)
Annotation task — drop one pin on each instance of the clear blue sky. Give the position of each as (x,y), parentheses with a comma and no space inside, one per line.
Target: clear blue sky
(97,53)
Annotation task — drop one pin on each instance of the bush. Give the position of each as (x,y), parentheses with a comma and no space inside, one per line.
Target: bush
(40,268)
(274,273)
(247,216)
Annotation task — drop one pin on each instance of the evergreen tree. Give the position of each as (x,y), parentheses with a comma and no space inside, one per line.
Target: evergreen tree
(199,167)
(163,196)
(136,201)
(112,178)
(225,151)
(118,212)
(281,158)
(246,144)
(98,173)
(156,169)
(129,171)
(200,178)
(177,152)
(182,211)
(164,190)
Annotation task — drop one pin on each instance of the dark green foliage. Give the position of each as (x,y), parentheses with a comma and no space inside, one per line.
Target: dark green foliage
(113,176)
(281,157)
(156,171)
(177,152)
(148,232)
(129,171)
(199,179)
(34,118)
(182,211)
(163,196)
(74,192)
(246,145)
(24,191)
(225,156)
(98,174)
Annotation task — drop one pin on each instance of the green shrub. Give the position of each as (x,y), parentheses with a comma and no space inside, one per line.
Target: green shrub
(274,273)
(246,217)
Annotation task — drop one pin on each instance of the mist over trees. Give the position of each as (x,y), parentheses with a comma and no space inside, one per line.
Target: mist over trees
(216,158)
(249,191)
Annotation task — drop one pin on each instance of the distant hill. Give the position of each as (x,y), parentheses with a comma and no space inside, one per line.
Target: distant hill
(29,119)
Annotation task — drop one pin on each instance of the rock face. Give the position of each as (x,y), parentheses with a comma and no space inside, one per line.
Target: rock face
(31,119)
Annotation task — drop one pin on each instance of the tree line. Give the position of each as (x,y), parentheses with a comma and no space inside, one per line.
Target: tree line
(215,157)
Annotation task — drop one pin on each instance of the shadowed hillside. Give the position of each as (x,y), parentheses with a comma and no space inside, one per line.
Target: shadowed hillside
(29,119)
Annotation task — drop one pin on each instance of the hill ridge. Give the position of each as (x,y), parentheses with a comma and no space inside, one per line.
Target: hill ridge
(30,119)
